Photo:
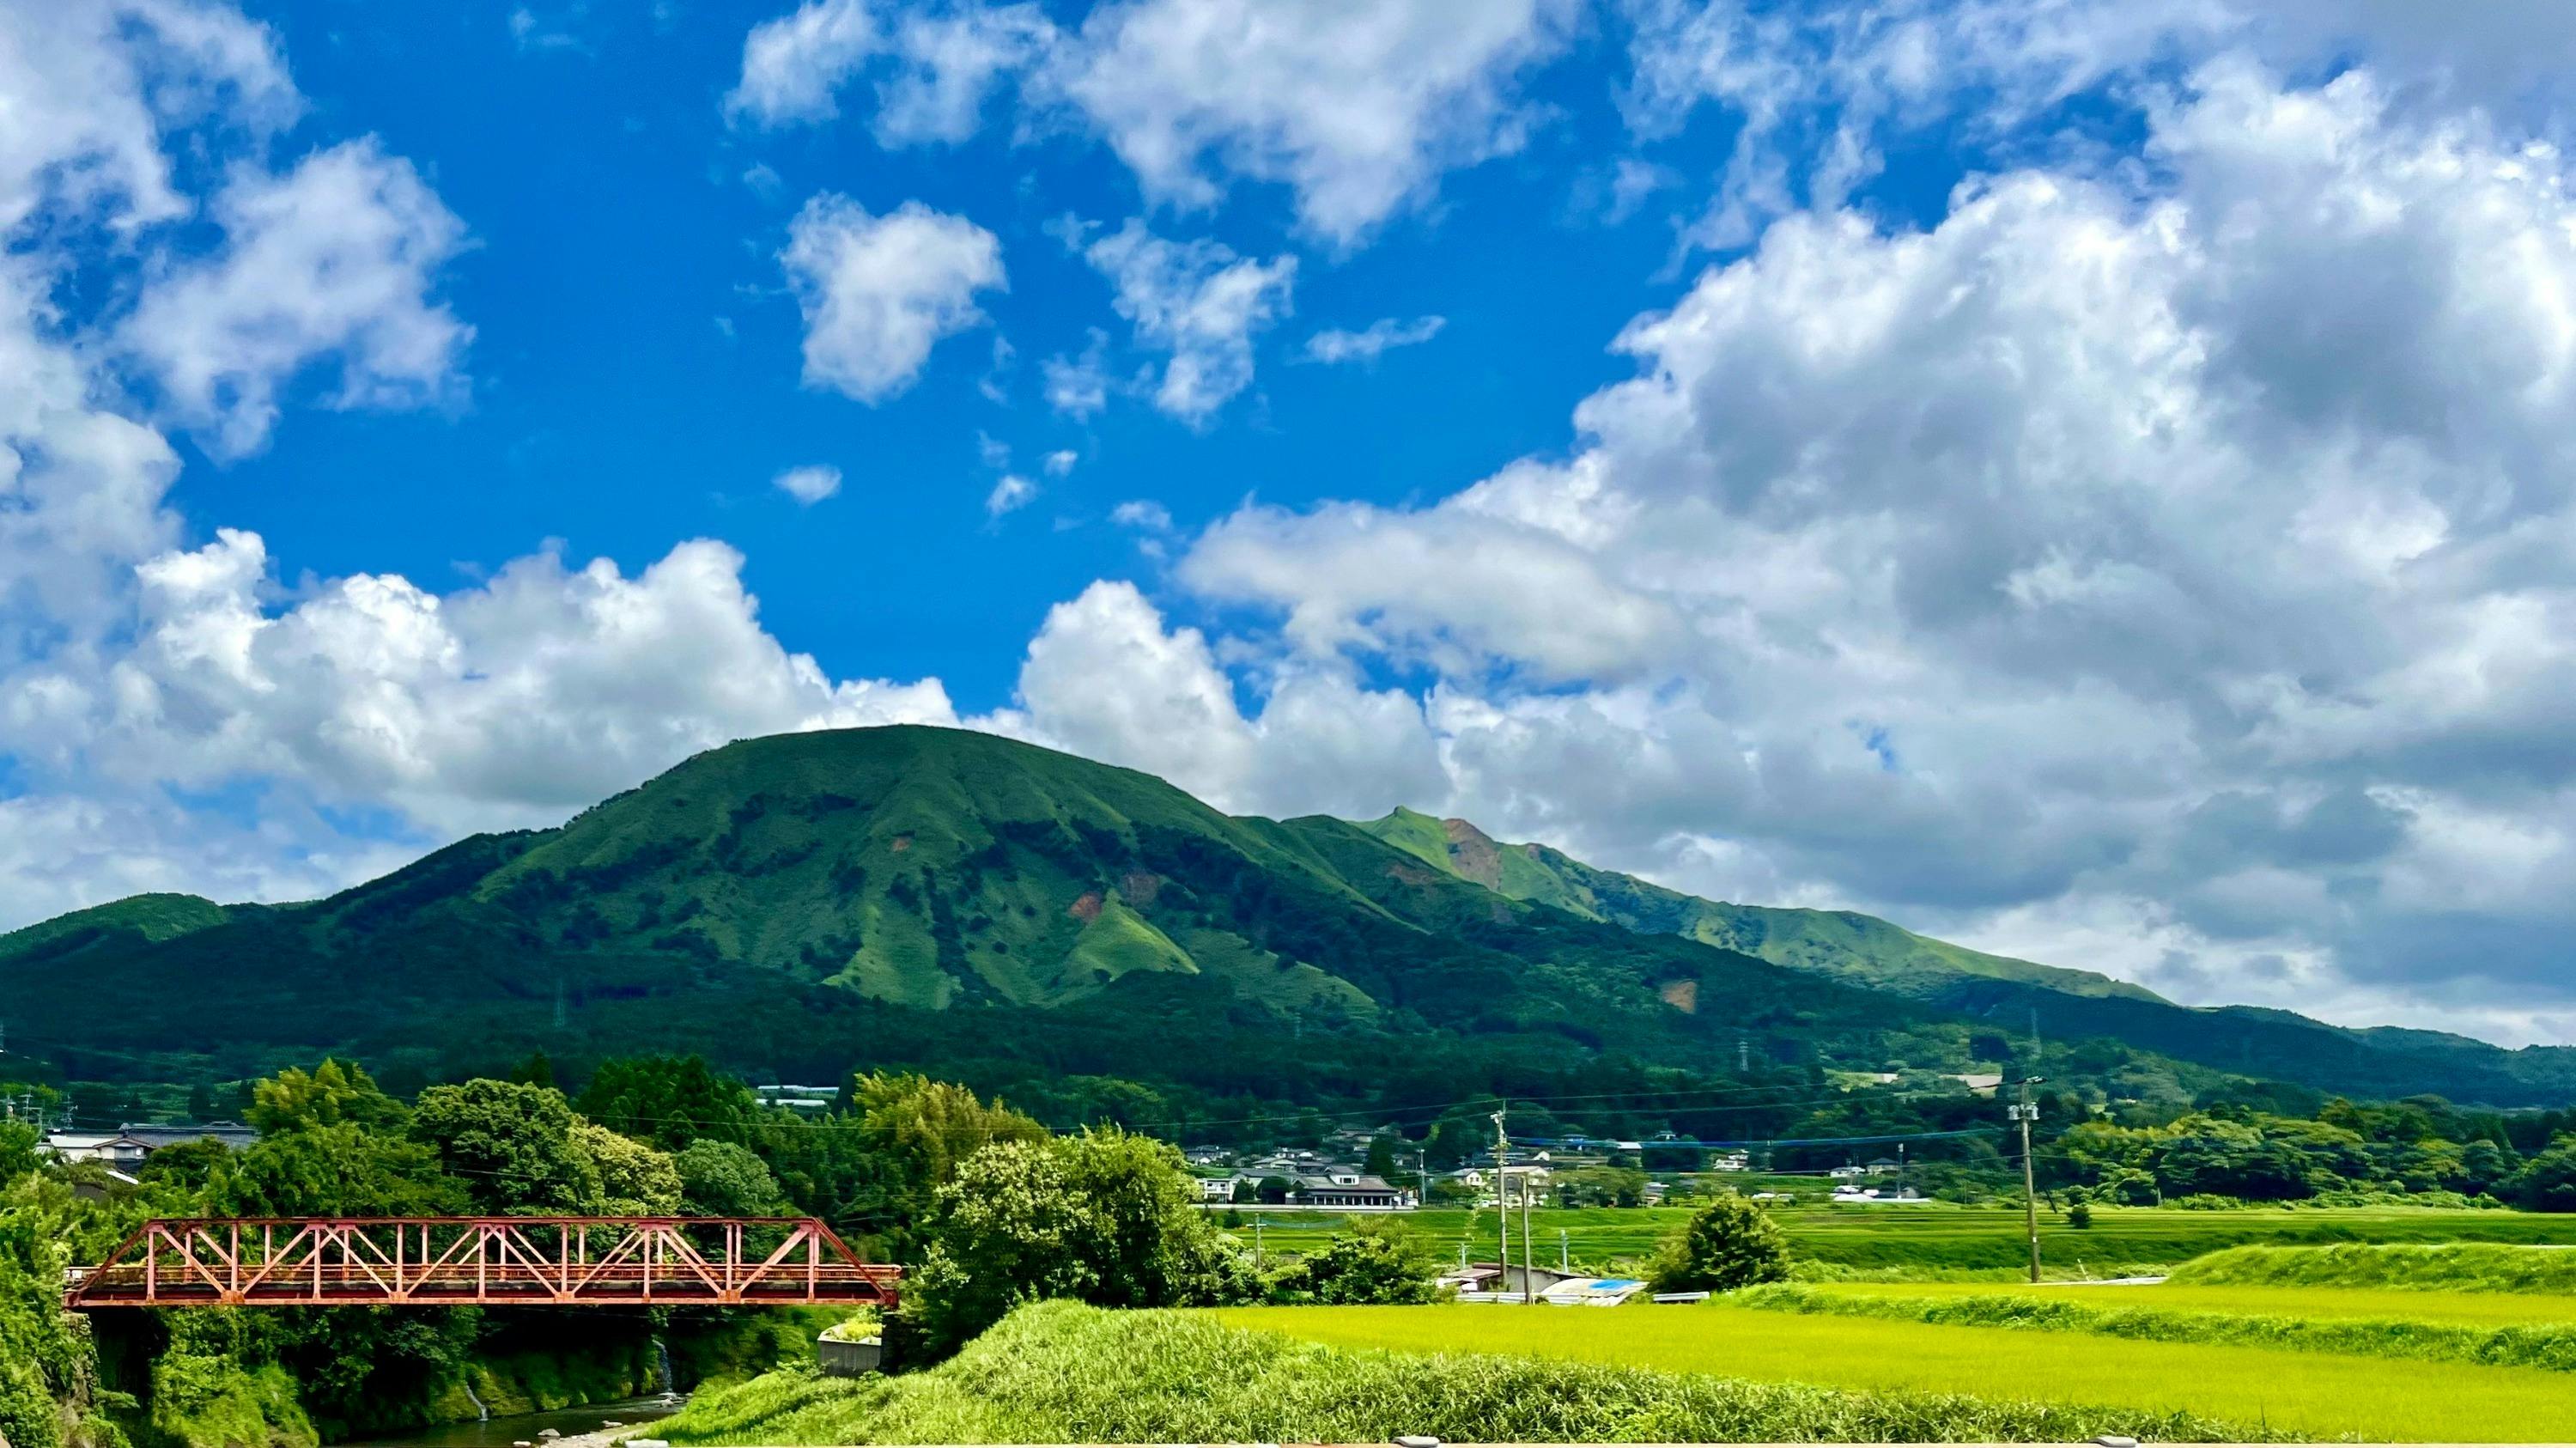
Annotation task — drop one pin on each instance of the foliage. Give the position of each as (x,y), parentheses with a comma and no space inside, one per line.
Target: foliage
(1729,1243)
(2456,1267)
(331,1094)
(2289,1326)
(915,1134)
(1370,1263)
(1105,1218)
(669,1101)
(634,1179)
(513,1143)
(721,1179)
(1057,1373)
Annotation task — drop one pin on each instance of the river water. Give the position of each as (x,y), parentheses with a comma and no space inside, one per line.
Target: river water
(502,1432)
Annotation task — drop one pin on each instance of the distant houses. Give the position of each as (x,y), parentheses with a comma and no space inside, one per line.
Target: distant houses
(125,1148)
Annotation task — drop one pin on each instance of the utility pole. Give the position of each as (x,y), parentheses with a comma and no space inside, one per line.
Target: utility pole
(1502,1203)
(1256,1240)
(1564,1253)
(1529,1256)
(2026,1111)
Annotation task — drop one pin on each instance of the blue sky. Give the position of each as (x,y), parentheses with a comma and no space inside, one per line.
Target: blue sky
(2088,478)
(635,365)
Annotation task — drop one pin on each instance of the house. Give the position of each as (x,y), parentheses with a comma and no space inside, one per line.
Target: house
(803,1100)
(125,1148)
(1852,1196)
(1982,1083)
(1205,1155)
(1348,1191)
(1844,1173)
(1730,1161)
(1218,1188)
(1884,1165)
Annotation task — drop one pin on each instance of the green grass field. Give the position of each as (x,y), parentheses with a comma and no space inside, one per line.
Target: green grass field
(2467,1309)
(2303,1394)
(2422,1326)
(1059,1373)
(1943,1238)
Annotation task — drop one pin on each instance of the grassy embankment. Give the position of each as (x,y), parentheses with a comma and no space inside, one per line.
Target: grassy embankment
(1939,1238)
(2495,1330)
(2300,1394)
(2439,1267)
(1060,1373)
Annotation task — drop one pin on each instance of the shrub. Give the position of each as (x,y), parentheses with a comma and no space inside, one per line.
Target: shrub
(1727,1244)
(1367,1265)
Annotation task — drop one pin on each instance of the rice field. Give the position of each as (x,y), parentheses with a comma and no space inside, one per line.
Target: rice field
(1939,1237)
(2276,1391)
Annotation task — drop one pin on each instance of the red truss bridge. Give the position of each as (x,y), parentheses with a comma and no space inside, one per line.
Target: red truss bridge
(484,1261)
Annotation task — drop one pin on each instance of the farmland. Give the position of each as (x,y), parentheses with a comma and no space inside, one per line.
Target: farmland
(2301,1394)
(1939,1238)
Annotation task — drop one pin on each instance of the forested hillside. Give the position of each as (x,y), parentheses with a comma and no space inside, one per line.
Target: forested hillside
(1009,914)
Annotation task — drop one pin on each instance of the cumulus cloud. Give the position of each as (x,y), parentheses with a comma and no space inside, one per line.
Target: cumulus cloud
(1198,302)
(333,261)
(1335,344)
(878,292)
(809,484)
(1357,109)
(1945,573)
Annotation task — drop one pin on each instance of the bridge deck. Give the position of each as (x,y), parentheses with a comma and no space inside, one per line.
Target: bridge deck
(488,1261)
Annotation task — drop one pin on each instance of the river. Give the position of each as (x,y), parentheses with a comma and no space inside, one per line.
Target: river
(502,1432)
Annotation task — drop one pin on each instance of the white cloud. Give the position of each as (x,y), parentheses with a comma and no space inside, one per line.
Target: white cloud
(88,86)
(793,64)
(1142,513)
(1060,462)
(1009,495)
(809,484)
(333,261)
(1334,344)
(938,65)
(1976,535)
(1078,387)
(879,291)
(1200,303)
(1357,107)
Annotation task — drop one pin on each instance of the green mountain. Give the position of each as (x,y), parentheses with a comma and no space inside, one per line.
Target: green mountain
(804,904)
(1859,949)
(1865,951)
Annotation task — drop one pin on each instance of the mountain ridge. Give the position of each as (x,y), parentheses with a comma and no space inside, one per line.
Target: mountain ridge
(940,892)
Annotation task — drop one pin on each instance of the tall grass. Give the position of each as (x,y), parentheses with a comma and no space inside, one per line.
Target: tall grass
(2549,1346)
(2453,1267)
(2319,1395)
(1059,1373)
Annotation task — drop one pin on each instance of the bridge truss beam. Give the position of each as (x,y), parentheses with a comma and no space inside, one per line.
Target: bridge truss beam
(482,1261)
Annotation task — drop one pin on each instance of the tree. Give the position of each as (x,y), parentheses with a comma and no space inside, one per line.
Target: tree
(1366,1265)
(913,1135)
(1727,1244)
(512,1143)
(634,1179)
(669,1101)
(720,1179)
(18,1142)
(1104,1218)
(2547,1182)
(333,1092)
(1381,1156)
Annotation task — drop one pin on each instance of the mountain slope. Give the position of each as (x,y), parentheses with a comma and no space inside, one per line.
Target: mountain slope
(810,902)
(1865,951)
(769,900)
(1859,949)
